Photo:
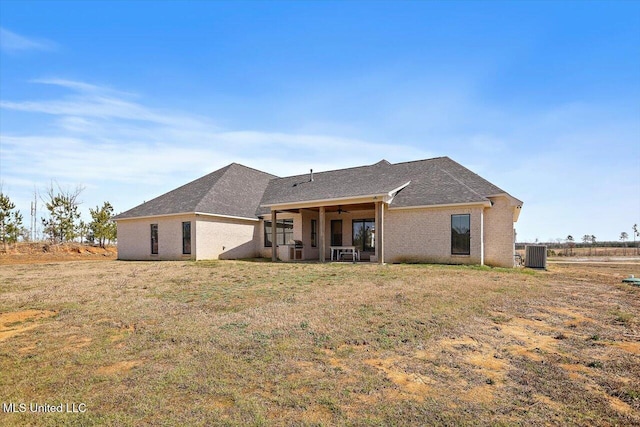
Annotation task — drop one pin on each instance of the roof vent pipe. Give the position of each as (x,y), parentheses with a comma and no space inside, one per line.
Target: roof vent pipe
(310,175)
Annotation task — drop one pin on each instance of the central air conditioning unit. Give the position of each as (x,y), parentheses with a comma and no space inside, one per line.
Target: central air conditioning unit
(535,256)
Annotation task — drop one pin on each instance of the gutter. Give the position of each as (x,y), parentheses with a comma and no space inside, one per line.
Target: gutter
(186,213)
(385,197)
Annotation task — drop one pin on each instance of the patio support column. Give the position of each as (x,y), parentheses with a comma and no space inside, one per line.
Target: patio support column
(376,227)
(321,225)
(274,235)
(482,237)
(379,218)
(379,227)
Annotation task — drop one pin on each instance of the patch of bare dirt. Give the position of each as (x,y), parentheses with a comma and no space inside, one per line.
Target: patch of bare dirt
(75,342)
(630,346)
(119,367)
(38,253)
(411,384)
(17,322)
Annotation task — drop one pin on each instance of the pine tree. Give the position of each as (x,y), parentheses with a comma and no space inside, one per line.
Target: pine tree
(63,214)
(623,237)
(570,244)
(102,227)
(10,221)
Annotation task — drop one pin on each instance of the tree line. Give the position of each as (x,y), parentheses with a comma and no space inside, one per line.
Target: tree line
(62,223)
(590,241)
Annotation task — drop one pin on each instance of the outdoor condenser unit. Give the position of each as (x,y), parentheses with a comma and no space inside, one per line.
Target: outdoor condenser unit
(535,256)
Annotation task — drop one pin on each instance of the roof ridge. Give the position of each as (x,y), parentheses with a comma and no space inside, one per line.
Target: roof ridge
(460,182)
(421,160)
(222,171)
(214,188)
(363,166)
(328,171)
(249,167)
(479,176)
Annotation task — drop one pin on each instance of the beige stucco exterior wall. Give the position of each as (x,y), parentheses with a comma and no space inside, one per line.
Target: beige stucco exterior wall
(225,238)
(134,238)
(211,238)
(424,235)
(498,232)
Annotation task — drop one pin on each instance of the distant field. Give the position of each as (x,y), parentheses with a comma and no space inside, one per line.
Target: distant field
(593,252)
(255,343)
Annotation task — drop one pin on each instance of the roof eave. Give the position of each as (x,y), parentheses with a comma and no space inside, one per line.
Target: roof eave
(386,197)
(483,203)
(515,203)
(187,213)
(347,200)
(512,200)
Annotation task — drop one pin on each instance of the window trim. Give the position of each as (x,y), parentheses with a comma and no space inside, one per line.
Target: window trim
(314,233)
(454,244)
(186,240)
(333,241)
(363,221)
(281,232)
(154,239)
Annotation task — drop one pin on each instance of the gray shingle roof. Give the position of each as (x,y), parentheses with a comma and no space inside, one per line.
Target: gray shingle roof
(234,190)
(341,183)
(237,190)
(441,181)
(432,182)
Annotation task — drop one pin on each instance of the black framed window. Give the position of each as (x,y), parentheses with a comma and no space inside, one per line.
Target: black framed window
(363,238)
(336,232)
(461,234)
(154,239)
(284,232)
(186,238)
(314,233)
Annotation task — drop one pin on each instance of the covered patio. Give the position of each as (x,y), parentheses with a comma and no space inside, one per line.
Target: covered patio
(330,231)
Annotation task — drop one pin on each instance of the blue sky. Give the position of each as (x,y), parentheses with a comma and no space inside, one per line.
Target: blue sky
(132,99)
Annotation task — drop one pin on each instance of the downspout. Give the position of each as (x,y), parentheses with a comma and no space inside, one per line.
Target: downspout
(274,235)
(482,236)
(321,233)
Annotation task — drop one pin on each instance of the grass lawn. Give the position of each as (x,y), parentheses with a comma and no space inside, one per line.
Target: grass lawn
(254,343)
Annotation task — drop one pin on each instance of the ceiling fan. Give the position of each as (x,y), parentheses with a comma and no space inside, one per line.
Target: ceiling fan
(340,210)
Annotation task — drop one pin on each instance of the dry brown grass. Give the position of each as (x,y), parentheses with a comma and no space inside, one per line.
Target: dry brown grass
(252,343)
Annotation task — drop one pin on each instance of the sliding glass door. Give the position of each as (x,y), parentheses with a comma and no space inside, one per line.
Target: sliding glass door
(363,237)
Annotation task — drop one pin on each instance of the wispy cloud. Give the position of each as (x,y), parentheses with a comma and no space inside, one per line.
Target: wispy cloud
(11,42)
(102,137)
(97,106)
(127,151)
(81,86)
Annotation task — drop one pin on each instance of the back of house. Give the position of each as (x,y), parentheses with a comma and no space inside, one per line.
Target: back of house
(432,210)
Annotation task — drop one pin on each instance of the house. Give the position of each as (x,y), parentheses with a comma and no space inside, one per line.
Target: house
(432,210)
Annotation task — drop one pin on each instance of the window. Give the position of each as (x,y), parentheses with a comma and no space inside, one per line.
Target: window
(186,238)
(336,232)
(284,232)
(154,239)
(314,233)
(363,237)
(460,234)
